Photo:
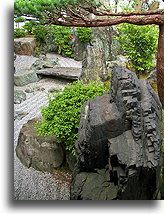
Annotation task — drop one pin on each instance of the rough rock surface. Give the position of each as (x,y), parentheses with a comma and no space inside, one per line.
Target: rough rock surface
(22,78)
(152,78)
(94,64)
(24,46)
(44,62)
(61,72)
(103,37)
(71,160)
(41,153)
(120,131)
(19,96)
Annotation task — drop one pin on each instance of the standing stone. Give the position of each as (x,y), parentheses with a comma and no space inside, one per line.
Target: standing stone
(25,46)
(93,65)
(103,37)
(43,153)
(121,132)
(103,50)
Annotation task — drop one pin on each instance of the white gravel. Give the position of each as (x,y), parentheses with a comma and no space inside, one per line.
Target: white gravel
(30,184)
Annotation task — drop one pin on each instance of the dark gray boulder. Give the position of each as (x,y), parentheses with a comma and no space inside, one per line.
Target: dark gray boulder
(120,131)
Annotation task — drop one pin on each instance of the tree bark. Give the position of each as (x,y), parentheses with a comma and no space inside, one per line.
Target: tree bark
(146,20)
(160,64)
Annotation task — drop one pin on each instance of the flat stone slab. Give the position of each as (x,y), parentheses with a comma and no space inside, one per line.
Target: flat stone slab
(25,77)
(61,72)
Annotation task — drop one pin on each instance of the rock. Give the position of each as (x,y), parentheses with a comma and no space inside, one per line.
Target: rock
(25,46)
(44,62)
(34,89)
(79,47)
(43,153)
(152,78)
(71,160)
(93,186)
(121,58)
(61,72)
(121,131)
(19,96)
(22,78)
(19,115)
(93,65)
(103,38)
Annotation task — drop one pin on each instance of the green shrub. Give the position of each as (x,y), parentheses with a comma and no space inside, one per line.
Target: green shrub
(40,32)
(62,39)
(19,19)
(62,115)
(84,34)
(18,33)
(139,43)
(28,26)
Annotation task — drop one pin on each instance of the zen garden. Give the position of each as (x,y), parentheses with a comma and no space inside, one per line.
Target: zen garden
(88,100)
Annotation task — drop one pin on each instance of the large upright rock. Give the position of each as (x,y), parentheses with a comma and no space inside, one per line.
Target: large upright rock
(119,142)
(102,50)
(104,38)
(25,46)
(93,65)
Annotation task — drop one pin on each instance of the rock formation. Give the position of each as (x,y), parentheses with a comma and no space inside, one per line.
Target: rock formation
(93,65)
(119,143)
(25,46)
(43,153)
(22,78)
(99,54)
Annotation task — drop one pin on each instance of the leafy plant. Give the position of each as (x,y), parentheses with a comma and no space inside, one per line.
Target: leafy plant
(62,115)
(19,19)
(62,39)
(29,26)
(40,32)
(18,33)
(84,34)
(139,43)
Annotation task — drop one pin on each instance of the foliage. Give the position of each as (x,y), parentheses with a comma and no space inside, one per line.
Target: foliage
(20,19)
(29,26)
(139,44)
(62,115)
(84,34)
(42,9)
(18,33)
(40,32)
(61,39)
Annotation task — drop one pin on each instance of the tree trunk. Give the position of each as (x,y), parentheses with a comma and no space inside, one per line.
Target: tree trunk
(160,64)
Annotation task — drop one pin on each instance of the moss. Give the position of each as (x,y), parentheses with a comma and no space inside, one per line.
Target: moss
(154,86)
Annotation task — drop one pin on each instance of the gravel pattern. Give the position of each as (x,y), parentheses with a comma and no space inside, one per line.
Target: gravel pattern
(30,184)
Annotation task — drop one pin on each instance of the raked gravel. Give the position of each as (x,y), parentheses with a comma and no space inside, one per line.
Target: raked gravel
(30,184)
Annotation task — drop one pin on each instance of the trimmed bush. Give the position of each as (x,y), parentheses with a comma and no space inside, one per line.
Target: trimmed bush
(62,115)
